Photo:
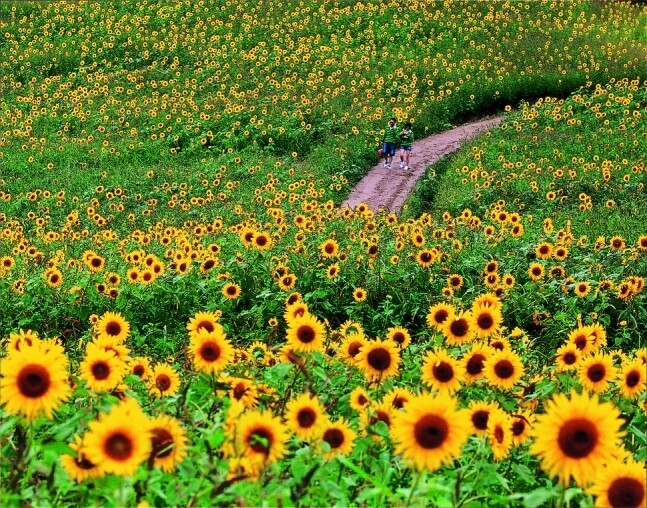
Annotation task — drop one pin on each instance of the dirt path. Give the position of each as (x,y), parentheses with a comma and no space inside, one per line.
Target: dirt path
(389,188)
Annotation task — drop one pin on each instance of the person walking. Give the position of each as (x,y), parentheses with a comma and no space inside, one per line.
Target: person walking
(406,145)
(390,140)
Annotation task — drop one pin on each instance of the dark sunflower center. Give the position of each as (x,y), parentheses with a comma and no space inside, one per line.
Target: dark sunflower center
(431,431)
(499,434)
(113,328)
(580,341)
(632,379)
(626,492)
(83,463)
(504,369)
(334,437)
(475,364)
(231,290)
(306,334)
(361,400)
(441,316)
(459,328)
(425,257)
(260,440)
(384,417)
(443,372)
(485,321)
(399,402)
(596,373)
(570,358)
(118,446)
(518,426)
(139,370)
(329,248)
(577,438)
(33,381)
(399,337)
(261,241)
(209,263)
(480,419)
(205,325)
(239,391)
(162,443)
(379,359)
(100,371)
(306,418)
(163,382)
(210,351)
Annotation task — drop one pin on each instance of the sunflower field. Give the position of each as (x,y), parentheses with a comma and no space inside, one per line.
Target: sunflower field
(188,317)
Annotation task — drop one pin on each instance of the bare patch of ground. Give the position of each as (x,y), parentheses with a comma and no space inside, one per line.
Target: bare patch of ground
(387,189)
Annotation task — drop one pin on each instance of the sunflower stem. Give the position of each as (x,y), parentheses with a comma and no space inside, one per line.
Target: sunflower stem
(414,486)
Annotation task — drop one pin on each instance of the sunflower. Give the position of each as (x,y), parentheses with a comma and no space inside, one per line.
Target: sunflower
(241,390)
(203,320)
(487,300)
(168,442)
(503,369)
(499,434)
(231,291)
(164,381)
(21,340)
(262,241)
(210,351)
(112,344)
(377,411)
(458,329)
(378,360)
(339,438)
(567,357)
(631,381)
(473,362)
(399,335)
(426,257)
(574,436)
(33,381)
(306,334)
(620,485)
(329,248)
(304,416)
(441,371)
(77,466)
(261,437)
(520,426)
(455,281)
(536,271)
(397,397)
(351,347)
(582,339)
(479,413)
(54,277)
(438,314)
(112,324)
(295,310)
(287,282)
(332,271)
(120,440)
(544,250)
(429,431)
(359,294)
(485,321)
(139,366)
(582,289)
(102,370)
(242,468)
(359,399)
(596,372)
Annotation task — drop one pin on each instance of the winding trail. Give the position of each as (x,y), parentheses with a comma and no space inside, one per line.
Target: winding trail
(387,189)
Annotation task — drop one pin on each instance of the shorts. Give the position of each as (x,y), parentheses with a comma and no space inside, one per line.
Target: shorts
(407,148)
(389,149)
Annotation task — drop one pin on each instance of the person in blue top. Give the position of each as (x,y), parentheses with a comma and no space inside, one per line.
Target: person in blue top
(390,140)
